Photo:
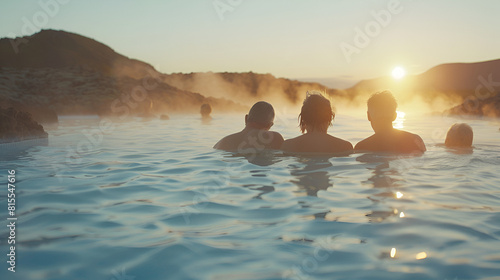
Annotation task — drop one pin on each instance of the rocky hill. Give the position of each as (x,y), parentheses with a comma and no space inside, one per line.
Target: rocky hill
(57,72)
(59,50)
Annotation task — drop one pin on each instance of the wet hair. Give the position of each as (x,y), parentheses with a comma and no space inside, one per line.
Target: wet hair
(383,102)
(459,135)
(261,113)
(316,111)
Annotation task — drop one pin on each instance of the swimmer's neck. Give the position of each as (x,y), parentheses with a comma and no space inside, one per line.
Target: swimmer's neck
(252,126)
(316,129)
(384,128)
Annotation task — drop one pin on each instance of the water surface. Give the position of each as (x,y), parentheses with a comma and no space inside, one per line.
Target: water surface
(153,200)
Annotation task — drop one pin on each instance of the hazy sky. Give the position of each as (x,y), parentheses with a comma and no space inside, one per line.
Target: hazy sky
(287,38)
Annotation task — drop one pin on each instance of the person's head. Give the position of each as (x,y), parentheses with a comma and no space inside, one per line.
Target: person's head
(205,110)
(382,110)
(260,116)
(459,135)
(316,113)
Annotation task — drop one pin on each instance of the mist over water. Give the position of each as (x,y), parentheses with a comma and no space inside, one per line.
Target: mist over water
(246,88)
(287,95)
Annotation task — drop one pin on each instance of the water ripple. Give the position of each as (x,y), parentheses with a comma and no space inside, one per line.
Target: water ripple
(157,203)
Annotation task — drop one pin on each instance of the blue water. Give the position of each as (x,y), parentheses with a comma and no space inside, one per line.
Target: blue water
(153,200)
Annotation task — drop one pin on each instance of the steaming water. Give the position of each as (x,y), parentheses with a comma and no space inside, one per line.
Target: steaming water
(152,200)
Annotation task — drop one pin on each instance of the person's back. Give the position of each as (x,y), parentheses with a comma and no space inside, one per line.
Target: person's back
(250,139)
(256,135)
(205,111)
(381,113)
(392,141)
(315,118)
(316,143)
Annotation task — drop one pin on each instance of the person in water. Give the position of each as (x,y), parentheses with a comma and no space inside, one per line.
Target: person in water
(315,117)
(381,113)
(256,135)
(459,136)
(205,111)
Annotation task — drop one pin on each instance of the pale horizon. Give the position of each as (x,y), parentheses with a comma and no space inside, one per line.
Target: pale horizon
(317,40)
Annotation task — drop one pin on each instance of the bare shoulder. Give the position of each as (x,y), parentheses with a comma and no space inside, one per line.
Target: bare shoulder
(270,136)
(227,142)
(278,135)
(397,141)
(290,144)
(277,140)
(221,143)
(268,139)
(341,143)
(414,141)
(365,144)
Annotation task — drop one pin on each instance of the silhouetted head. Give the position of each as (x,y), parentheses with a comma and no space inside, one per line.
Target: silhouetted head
(205,110)
(316,113)
(459,135)
(260,116)
(382,110)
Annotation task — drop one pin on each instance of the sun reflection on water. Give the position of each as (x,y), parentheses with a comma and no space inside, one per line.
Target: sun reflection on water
(421,256)
(399,195)
(393,253)
(399,121)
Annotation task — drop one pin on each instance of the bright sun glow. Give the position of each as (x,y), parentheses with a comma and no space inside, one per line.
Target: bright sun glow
(398,72)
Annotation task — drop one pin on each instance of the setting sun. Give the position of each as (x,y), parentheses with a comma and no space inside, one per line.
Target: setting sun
(398,72)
